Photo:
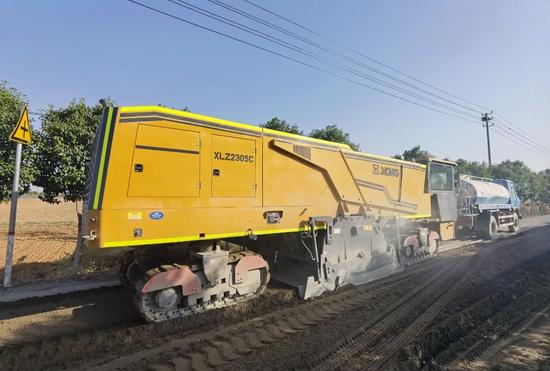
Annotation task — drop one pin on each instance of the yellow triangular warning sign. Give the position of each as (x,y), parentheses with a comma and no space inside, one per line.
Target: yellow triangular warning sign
(22,131)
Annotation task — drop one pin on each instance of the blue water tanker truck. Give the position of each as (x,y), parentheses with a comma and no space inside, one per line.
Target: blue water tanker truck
(486,205)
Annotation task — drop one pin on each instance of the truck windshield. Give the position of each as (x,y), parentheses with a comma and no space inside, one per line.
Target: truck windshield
(441,177)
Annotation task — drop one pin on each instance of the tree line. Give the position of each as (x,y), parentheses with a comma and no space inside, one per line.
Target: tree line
(332,133)
(531,186)
(57,160)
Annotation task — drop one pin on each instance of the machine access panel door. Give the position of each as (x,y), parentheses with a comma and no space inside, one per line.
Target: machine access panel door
(166,163)
(233,167)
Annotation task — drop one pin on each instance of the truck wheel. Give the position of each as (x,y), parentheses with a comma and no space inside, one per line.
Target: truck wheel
(514,227)
(491,229)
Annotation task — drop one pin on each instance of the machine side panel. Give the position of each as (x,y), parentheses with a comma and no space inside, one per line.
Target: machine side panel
(233,167)
(414,191)
(166,163)
(315,171)
(390,187)
(173,178)
(291,180)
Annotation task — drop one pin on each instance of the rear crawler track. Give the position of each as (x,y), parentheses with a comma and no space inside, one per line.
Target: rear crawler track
(198,282)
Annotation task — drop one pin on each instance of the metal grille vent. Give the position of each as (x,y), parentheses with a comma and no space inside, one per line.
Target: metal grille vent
(303,151)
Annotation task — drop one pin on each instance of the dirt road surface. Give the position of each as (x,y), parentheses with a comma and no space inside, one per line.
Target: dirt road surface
(484,306)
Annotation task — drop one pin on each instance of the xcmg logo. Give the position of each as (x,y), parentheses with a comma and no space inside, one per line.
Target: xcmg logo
(385,171)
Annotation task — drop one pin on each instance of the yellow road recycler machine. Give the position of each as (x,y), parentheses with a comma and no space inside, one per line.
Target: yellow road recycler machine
(211,209)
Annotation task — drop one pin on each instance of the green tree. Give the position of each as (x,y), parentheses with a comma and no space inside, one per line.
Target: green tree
(528,186)
(282,125)
(544,195)
(64,148)
(474,168)
(414,154)
(63,151)
(333,133)
(531,186)
(11,105)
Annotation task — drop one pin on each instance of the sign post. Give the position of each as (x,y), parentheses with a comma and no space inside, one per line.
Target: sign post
(22,135)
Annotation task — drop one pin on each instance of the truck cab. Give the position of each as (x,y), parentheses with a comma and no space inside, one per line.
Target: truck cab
(515,201)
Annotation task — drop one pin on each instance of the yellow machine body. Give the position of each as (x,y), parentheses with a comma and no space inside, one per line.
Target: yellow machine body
(162,176)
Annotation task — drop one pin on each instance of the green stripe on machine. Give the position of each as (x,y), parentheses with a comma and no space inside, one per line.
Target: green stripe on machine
(102,160)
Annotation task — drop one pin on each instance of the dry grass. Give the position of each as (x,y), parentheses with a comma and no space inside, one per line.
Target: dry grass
(45,242)
(535,209)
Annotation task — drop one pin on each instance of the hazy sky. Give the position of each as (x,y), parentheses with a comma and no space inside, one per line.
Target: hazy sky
(493,52)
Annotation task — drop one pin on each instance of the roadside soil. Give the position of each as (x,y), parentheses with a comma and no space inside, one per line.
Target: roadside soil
(453,311)
(45,242)
(525,348)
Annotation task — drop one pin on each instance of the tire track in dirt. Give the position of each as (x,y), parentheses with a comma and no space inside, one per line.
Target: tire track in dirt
(219,347)
(366,340)
(467,334)
(491,333)
(486,354)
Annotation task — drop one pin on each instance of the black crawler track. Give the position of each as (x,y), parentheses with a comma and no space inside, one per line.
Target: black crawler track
(151,313)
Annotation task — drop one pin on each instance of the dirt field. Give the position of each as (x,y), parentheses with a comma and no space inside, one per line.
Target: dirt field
(474,307)
(45,242)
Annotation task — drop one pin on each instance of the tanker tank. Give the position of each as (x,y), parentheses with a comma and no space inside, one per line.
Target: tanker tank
(484,192)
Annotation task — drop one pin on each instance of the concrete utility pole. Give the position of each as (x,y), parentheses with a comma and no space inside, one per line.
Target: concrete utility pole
(485,118)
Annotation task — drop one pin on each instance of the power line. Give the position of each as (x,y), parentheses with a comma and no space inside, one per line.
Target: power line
(523,137)
(333,52)
(294,60)
(514,138)
(508,121)
(523,133)
(363,55)
(312,55)
(512,127)
(503,133)
(516,133)
(521,141)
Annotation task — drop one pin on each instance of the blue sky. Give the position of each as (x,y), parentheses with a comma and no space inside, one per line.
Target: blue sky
(493,52)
